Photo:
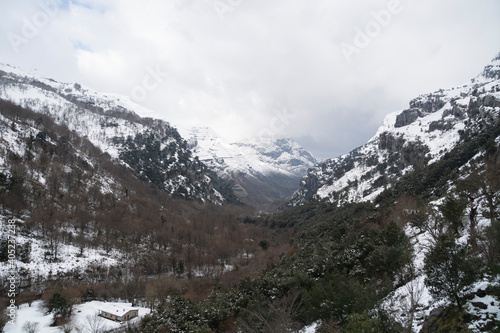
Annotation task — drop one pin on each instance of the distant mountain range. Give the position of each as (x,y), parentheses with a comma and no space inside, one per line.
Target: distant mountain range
(261,170)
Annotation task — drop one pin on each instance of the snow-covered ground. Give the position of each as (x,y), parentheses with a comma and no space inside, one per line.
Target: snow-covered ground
(311,328)
(492,310)
(69,258)
(399,303)
(81,317)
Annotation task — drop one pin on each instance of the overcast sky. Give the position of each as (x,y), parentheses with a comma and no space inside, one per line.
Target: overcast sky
(324,72)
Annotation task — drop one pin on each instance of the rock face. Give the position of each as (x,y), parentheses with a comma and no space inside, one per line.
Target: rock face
(434,126)
(492,71)
(446,320)
(407,117)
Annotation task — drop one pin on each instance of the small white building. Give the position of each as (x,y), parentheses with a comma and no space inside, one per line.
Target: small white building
(117,312)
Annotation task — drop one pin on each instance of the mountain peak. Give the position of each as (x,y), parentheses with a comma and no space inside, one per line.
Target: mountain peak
(261,169)
(492,70)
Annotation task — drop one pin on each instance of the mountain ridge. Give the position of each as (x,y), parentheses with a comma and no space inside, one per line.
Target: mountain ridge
(256,171)
(407,140)
(152,148)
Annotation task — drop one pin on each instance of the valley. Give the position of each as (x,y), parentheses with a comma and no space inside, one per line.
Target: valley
(111,204)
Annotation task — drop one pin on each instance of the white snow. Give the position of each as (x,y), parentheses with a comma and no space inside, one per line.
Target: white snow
(492,311)
(263,156)
(68,255)
(81,312)
(437,141)
(311,328)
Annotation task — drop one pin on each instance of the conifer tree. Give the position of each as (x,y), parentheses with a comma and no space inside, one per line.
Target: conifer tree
(450,269)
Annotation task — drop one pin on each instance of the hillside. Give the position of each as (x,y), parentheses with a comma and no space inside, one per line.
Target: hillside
(150,147)
(435,127)
(400,235)
(79,215)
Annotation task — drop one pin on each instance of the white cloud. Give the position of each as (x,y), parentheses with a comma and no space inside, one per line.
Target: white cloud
(103,67)
(234,70)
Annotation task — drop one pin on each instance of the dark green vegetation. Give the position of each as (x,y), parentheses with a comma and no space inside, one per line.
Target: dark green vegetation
(450,268)
(153,154)
(340,262)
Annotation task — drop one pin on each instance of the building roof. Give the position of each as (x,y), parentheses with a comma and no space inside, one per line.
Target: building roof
(116,309)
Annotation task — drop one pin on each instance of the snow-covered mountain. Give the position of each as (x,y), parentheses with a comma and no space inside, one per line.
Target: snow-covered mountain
(152,148)
(261,170)
(447,126)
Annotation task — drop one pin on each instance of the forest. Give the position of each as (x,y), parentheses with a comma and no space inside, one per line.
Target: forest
(204,267)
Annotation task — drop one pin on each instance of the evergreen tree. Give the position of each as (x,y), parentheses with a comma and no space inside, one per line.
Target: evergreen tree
(453,212)
(59,306)
(450,269)
(362,323)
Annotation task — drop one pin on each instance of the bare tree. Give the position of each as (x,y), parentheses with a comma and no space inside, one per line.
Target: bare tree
(414,292)
(94,324)
(68,328)
(275,317)
(31,327)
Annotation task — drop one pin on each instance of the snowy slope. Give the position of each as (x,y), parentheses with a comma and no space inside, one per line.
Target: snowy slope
(408,139)
(117,126)
(253,164)
(75,91)
(399,302)
(264,156)
(434,129)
